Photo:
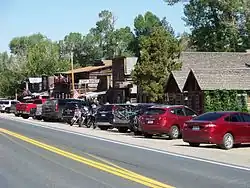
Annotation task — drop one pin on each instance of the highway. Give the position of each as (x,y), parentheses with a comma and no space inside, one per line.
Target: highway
(36,157)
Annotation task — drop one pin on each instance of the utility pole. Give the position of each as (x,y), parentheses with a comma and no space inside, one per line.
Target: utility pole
(72,71)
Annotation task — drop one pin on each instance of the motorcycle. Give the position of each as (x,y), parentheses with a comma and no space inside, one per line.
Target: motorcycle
(87,119)
(76,117)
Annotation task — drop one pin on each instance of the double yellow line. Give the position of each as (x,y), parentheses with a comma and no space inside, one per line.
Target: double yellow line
(115,170)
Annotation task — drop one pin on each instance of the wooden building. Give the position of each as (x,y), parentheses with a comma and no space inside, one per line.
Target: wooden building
(204,71)
(95,78)
(123,88)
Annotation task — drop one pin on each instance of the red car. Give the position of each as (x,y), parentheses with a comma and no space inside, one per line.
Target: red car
(165,120)
(224,129)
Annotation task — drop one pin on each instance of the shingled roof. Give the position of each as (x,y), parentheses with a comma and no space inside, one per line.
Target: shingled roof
(200,60)
(180,78)
(229,79)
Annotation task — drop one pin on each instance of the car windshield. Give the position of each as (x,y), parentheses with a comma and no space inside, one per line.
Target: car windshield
(210,116)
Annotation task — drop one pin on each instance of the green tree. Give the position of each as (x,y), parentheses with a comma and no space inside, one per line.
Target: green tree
(44,58)
(218,25)
(73,42)
(158,53)
(20,45)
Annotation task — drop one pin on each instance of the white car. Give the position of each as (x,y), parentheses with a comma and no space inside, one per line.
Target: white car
(6,104)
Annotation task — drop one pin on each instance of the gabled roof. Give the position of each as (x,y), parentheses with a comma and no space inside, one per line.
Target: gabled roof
(200,60)
(180,78)
(106,64)
(229,79)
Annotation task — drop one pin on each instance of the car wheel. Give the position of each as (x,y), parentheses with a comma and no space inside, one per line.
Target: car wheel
(104,128)
(25,116)
(122,129)
(174,132)
(228,141)
(146,135)
(137,133)
(38,117)
(194,144)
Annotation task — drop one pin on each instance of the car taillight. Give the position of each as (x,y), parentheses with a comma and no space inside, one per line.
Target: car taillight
(57,108)
(210,125)
(162,118)
(113,108)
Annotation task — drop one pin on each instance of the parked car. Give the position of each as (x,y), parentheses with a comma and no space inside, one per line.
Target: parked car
(69,110)
(104,116)
(24,109)
(13,106)
(165,120)
(6,104)
(52,109)
(224,129)
(36,112)
(126,116)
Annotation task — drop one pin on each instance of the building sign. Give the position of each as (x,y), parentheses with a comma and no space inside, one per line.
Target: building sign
(92,83)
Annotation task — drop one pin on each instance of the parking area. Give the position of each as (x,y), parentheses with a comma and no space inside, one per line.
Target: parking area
(236,156)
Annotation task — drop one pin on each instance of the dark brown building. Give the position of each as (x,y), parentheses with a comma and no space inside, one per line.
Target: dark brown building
(87,79)
(204,71)
(123,88)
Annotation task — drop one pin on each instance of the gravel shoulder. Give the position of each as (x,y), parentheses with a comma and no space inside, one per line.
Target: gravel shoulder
(236,156)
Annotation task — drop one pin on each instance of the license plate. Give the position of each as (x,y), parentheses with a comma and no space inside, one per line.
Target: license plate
(196,128)
(150,122)
(103,115)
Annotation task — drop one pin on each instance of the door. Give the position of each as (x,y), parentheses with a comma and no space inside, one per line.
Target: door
(237,126)
(182,118)
(246,118)
(190,114)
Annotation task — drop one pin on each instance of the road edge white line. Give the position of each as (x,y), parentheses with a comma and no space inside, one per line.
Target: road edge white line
(135,146)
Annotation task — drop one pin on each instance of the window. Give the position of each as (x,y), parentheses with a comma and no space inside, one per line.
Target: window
(154,111)
(106,108)
(246,117)
(14,102)
(210,116)
(179,111)
(38,101)
(189,112)
(233,118)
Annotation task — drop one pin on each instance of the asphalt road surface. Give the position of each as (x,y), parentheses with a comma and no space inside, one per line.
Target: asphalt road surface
(36,157)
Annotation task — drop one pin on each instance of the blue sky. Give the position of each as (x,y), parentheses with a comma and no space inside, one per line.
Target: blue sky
(56,18)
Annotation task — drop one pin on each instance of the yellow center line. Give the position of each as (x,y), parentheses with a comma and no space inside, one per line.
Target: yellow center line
(115,170)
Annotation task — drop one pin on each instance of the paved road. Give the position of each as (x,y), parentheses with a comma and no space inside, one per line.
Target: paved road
(26,163)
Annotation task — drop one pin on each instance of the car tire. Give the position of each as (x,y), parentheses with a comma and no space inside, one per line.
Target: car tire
(122,129)
(174,132)
(39,118)
(146,135)
(137,133)
(25,116)
(104,128)
(228,141)
(194,144)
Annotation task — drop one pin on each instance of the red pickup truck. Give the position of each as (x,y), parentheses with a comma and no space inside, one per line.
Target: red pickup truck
(23,109)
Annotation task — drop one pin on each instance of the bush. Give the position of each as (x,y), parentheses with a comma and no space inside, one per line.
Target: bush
(224,100)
